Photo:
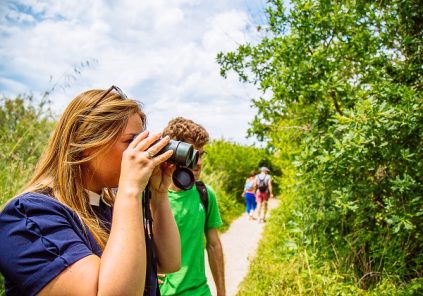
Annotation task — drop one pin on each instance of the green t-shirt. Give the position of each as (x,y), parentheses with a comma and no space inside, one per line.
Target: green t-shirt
(189,214)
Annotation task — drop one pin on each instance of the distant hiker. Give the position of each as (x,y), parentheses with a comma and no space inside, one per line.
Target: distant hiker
(249,194)
(58,237)
(263,193)
(195,219)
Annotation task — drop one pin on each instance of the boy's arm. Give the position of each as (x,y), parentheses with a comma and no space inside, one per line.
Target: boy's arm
(216,260)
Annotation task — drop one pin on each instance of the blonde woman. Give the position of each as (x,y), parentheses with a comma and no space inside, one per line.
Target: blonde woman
(58,235)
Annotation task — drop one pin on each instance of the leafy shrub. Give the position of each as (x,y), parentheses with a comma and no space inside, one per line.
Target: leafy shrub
(345,80)
(24,131)
(367,199)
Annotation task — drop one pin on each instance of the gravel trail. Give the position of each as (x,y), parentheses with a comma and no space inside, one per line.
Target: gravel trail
(240,243)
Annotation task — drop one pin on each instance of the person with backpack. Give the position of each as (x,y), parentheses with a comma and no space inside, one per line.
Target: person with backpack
(263,193)
(83,224)
(249,195)
(195,220)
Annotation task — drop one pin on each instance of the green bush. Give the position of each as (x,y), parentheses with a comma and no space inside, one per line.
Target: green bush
(345,107)
(364,193)
(24,130)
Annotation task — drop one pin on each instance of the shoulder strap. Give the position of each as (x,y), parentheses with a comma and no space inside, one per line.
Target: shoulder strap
(265,180)
(151,271)
(204,197)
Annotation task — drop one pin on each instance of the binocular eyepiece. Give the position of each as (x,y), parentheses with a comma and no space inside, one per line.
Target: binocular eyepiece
(185,157)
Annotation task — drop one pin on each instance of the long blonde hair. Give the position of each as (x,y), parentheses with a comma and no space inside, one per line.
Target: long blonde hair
(89,122)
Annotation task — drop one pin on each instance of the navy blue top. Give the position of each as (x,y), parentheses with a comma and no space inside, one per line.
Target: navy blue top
(39,238)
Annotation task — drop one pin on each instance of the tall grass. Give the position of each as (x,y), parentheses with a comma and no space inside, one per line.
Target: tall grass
(287,264)
(24,129)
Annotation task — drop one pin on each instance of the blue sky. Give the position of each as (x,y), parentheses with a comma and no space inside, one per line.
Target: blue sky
(161,52)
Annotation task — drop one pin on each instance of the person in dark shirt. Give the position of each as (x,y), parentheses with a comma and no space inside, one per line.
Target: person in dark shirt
(71,230)
(263,193)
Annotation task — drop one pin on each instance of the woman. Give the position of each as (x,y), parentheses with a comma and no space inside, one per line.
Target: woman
(58,235)
(250,198)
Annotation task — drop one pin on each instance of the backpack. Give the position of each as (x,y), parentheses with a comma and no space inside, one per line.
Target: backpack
(204,197)
(262,184)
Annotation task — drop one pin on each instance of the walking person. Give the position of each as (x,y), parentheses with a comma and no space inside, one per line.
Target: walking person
(70,230)
(263,193)
(194,220)
(249,195)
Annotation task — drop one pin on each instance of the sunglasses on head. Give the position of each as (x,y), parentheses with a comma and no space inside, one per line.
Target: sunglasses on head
(109,90)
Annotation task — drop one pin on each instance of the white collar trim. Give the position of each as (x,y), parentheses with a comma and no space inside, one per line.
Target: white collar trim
(93,197)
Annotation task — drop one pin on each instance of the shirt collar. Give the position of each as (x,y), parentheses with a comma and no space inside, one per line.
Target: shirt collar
(94,198)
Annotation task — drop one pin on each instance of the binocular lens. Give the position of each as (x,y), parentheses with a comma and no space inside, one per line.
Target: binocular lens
(186,158)
(194,159)
(183,178)
(183,154)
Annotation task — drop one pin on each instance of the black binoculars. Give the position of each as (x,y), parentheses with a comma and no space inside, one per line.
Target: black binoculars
(185,157)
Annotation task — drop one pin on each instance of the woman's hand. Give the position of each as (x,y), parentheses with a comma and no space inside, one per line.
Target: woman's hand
(139,161)
(161,179)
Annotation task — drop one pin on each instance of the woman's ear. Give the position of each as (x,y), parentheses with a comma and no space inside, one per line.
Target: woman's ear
(86,153)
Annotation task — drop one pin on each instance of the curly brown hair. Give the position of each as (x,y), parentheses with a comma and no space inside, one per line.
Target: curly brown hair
(186,130)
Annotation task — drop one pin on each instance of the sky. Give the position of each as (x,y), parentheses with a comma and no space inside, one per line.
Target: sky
(161,52)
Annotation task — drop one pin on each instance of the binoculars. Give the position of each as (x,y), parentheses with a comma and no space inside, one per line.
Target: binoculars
(184,154)
(185,157)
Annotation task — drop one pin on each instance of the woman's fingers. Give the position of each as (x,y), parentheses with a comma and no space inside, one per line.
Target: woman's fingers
(138,139)
(153,143)
(150,146)
(155,147)
(158,159)
(147,144)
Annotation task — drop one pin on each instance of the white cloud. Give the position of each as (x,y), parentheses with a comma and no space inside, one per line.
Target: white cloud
(162,52)
(21,17)
(226,30)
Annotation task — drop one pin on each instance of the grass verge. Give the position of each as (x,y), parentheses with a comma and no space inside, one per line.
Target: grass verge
(283,266)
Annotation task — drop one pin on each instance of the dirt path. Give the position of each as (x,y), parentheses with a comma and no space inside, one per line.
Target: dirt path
(240,243)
